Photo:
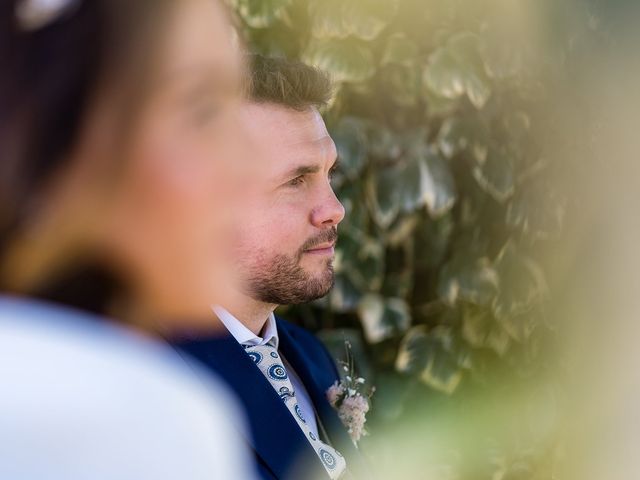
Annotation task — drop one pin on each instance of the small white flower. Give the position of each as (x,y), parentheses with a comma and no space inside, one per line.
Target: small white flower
(350,402)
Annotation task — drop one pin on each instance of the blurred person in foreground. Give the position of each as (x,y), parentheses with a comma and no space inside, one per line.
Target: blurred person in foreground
(115,118)
(284,255)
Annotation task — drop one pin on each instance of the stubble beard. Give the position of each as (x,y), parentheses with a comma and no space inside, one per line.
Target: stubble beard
(283,281)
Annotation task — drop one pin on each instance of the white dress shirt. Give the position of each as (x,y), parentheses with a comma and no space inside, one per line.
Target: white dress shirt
(84,399)
(244,336)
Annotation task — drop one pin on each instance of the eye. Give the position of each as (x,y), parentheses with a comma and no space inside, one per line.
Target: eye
(333,171)
(299,180)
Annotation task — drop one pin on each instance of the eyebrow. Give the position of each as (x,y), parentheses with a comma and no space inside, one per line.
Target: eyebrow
(309,169)
(304,170)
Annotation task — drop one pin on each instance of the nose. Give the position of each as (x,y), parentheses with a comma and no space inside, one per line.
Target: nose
(329,212)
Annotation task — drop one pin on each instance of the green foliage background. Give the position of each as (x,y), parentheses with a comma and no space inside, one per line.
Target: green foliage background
(449,142)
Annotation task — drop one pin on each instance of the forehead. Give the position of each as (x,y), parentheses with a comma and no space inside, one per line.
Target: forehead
(287,136)
(201,41)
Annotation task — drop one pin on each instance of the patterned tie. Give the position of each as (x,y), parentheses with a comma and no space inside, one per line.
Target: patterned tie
(268,360)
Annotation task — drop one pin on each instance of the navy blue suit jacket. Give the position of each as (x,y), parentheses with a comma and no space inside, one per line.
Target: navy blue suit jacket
(280,447)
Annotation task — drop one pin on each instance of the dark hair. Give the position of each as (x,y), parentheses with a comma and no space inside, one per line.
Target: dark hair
(48,78)
(289,83)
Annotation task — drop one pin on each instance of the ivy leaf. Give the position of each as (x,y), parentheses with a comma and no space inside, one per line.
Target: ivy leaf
(422,179)
(350,138)
(437,105)
(481,330)
(496,176)
(520,326)
(443,74)
(399,50)
(468,134)
(335,339)
(261,13)
(383,195)
(536,212)
(433,237)
(383,318)
(351,196)
(437,184)
(456,69)
(383,144)
(344,297)
(430,356)
(472,280)
(361,259)
(522,283)
(345,61)
(364,19)
(402,84)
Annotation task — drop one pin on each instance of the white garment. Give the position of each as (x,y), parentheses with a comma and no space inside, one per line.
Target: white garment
(84,399)
(244,336)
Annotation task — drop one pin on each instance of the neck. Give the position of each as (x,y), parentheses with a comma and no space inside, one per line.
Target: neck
(252,313)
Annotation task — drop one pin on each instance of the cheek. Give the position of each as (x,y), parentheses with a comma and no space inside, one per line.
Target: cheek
(268,229)
(171,206)
(178,185)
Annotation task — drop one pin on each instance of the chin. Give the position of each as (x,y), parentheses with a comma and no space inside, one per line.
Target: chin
(323,281)
(321,274)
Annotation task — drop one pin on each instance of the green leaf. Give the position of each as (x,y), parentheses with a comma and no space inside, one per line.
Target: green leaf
(443,74)
(383,195)
(383,143)
(464,134)
(383,318)
(399,50)
(520,326)
(468,279)
(335,339)
(496,176)
(261,13)
(422,179)
(345,61)
(344,296)
(466,47)
(352,197)
(481,330)
(456,69)
(437,184)
(430,356)
(361,259)
(522,283)
(438,106)
(433,237)
(363,19)
(402,84)
(350,138)
(536,212)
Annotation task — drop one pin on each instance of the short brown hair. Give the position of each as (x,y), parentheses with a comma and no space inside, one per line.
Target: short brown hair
(289,83)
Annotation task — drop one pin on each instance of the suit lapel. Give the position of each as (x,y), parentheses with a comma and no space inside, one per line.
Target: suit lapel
(276,437)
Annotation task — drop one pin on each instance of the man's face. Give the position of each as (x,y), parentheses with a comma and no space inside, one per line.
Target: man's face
(289,226)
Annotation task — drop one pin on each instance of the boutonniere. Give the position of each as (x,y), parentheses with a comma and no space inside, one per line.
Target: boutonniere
(351,398)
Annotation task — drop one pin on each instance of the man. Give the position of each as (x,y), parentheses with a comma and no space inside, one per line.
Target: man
(285,250)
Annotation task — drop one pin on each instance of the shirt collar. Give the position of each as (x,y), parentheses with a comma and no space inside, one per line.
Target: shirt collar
(243,335)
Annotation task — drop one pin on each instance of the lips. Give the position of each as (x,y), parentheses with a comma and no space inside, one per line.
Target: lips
(326,247)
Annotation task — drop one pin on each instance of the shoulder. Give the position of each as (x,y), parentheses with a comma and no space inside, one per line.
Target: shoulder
(119,382)
(300,334)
